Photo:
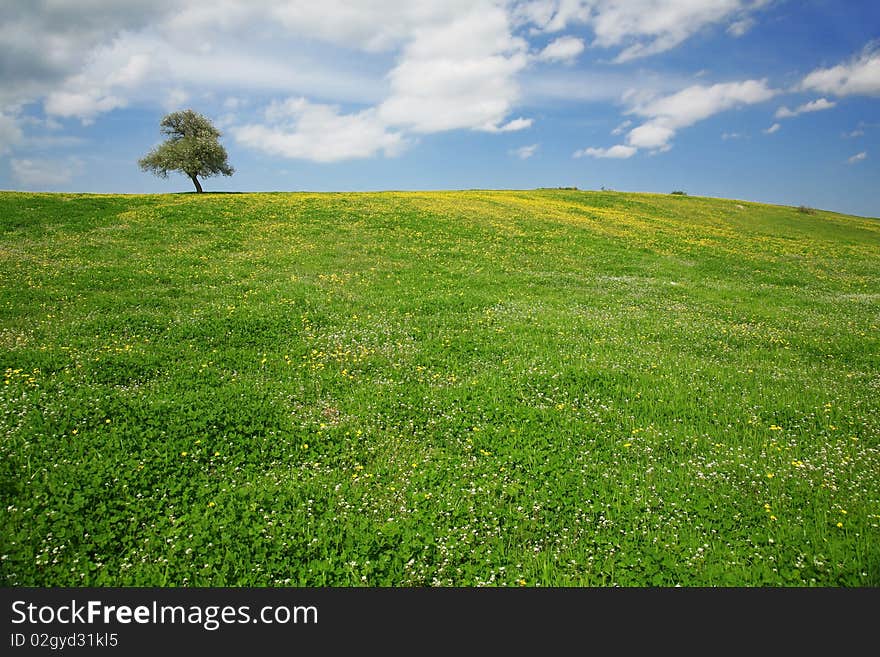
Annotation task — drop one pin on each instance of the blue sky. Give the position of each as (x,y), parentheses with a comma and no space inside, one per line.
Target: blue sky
(762,100)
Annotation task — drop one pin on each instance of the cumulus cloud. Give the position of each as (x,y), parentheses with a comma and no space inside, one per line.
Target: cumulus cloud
(85,105)
(669,114)
(859,77)
(107,77)
(813,106)
(618,152)
(699,102)
(563,49)
(524,152)
(858,157)
(455,63)
(148,67)
(44,42)
(458,74)
(45,174)
(658,25)
(653,134)
(640,27)
(416,66)
(85,58)
(773,128)
(296,128)
(552,15)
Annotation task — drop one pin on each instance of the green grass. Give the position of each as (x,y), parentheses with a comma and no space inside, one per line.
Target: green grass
(547,387)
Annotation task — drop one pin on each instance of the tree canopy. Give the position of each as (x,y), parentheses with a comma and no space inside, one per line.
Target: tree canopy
(192,147)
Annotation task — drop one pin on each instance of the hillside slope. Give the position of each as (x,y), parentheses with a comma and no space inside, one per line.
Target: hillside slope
(437,388)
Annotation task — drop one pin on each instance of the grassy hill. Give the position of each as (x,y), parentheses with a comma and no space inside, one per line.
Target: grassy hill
(547,387)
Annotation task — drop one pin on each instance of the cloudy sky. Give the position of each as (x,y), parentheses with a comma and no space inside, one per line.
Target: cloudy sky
(765,100)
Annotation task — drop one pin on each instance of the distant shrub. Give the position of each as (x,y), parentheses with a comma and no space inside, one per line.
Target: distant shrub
(805,209)
(678,192)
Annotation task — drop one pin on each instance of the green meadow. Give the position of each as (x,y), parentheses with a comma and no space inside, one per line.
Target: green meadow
(470,388)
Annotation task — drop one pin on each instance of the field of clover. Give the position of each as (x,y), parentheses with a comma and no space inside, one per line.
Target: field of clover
(502,388)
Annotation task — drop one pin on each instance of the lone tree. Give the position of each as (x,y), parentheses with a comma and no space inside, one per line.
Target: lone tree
(192,148)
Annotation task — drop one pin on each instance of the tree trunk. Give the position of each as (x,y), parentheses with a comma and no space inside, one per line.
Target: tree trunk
(196,183)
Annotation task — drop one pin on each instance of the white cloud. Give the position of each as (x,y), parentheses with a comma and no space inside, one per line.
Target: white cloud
(858,157)
(671,113)
(458,74)
(455,66)
(640,27)
(176,99)
(699,102)
(150,68)
(86,58)
(858,132)
(373,26)
(740,27)
(726,136)
(657,25)
(186,45)
(668,114)
(618,152)
(552,15)
(10,133)
(813,106)
(106,79)
(773,128)
(132,72)
(621,128)
(454,74)
(41,174)
(524,152)
(85,105)
(418,66)
(563,49)
(43,43)
(651,135)
(859,77)
(511,126)
(296,128)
